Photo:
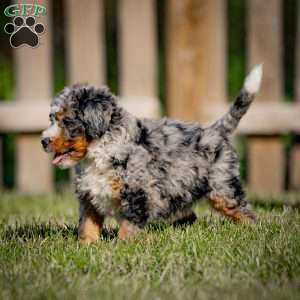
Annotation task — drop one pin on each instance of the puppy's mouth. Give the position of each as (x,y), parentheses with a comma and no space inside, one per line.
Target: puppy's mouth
(61,157)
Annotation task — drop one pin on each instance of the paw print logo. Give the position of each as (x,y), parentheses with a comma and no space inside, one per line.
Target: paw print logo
(24,31)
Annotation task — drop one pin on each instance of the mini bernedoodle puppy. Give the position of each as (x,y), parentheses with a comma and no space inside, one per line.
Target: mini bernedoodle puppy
(139,170)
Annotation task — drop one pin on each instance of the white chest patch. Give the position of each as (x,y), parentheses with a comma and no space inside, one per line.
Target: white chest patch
(97,185)
(96,176)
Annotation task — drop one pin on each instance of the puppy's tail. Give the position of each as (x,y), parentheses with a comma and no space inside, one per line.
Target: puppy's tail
(229,122)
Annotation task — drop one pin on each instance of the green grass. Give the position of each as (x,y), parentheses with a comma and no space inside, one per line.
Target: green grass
(212,259)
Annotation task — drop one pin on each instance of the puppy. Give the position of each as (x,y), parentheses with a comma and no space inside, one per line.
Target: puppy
(141,170)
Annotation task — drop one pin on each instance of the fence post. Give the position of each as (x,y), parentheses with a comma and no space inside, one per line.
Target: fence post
(138,61)
(266,157)
(34,83)
(196,57)
(295,154)
(137,48)
(85,41)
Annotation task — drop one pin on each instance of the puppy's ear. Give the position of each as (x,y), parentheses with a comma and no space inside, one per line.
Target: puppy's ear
(96,116)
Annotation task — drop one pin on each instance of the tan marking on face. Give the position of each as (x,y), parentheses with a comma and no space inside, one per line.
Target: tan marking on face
(231,209)
(127,230)
(59,115)
(90,226)
(78,145)
(58,141)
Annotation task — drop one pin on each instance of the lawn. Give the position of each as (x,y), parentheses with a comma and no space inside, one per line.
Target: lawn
(211,259)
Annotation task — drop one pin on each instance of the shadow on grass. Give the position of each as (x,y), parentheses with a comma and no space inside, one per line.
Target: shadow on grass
(35,230)
(182,223)
(29,232)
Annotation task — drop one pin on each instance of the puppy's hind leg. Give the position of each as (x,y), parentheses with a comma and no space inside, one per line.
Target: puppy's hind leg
(240,212)
(227,195)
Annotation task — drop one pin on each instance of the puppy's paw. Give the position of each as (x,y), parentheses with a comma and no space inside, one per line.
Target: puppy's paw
(87,240)
(127,230)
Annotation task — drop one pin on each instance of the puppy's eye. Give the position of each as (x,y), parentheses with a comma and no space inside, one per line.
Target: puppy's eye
(51,119)
(72,127)
(75,131)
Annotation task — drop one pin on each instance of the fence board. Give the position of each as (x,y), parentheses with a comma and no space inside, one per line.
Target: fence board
(34,171)
(137,48)
(196,47)
(266,165)
(85,41)
(138,57)
(260,120)
(267,169)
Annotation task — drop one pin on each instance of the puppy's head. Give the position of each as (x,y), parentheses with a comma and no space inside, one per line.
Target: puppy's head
(79,114)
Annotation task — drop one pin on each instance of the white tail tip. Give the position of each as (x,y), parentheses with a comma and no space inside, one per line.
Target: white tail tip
(253,80)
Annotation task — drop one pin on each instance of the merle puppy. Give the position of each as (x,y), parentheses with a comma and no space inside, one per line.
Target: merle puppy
(140,170)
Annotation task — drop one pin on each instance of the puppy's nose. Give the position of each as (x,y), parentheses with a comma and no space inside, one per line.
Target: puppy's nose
(45,142)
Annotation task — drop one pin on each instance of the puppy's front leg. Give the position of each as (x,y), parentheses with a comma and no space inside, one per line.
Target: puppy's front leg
(90,224)
(127,230)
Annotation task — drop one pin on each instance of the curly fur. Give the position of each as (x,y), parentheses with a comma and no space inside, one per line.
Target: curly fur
(163,167)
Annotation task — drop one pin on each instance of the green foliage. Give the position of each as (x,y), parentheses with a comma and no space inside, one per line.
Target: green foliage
(111,45)
(289,54)
(236,31)
(212,259)
(6,76)
(8,159)
(161,54)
